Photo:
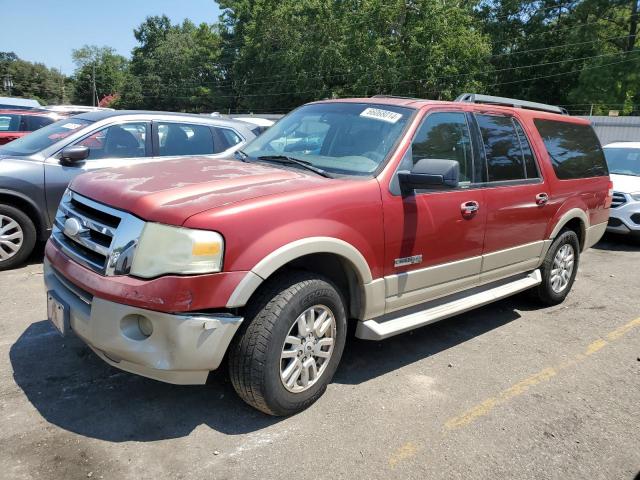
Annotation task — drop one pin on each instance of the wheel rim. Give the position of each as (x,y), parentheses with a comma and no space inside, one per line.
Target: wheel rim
(11,237)
(562,269)
(307,349)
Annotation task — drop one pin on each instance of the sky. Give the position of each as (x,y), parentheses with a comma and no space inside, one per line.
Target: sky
(46,31)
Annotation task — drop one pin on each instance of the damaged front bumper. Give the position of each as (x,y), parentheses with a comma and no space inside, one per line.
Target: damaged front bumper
(175,348)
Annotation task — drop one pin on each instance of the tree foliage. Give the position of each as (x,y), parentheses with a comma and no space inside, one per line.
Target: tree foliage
(284,53)
(33,80)
(175,67)
(273,55)
(102,63)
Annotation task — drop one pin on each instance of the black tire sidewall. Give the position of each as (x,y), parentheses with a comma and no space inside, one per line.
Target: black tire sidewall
(547,293)
(29,236)
(316,292)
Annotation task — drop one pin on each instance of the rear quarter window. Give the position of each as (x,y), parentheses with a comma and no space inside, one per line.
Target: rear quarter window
(574,149)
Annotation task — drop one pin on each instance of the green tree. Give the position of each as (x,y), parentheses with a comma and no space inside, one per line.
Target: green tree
(101,64)
(175,67)
(33,80)
(286,52)
(565,52)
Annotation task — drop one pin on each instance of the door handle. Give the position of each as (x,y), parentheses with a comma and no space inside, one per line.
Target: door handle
(542,198)
(469,208)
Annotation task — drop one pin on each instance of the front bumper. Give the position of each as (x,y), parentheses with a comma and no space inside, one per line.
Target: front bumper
(182,349)
(625,219)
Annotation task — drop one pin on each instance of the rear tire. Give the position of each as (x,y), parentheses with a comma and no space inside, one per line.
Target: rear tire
(279,363)
(17,237)
(559,269)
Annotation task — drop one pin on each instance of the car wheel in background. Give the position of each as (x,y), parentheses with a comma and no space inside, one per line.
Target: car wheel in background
(289,345)
(559,268)
(17,237)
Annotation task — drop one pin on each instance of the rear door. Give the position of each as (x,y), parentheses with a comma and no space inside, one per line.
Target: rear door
(517,198)
(112,146)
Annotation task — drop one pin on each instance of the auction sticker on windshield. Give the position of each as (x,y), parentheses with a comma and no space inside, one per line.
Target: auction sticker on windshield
(380,114)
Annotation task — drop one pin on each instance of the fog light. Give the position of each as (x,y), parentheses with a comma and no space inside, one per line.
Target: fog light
(145,326)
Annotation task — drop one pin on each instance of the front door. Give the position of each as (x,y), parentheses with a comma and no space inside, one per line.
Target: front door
(433,240)
(112,146)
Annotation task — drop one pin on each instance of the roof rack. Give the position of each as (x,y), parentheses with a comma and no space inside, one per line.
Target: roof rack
(396,96)
(510,102)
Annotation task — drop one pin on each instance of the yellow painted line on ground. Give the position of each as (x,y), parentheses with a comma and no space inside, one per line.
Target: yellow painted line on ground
(407,450)
(486,406)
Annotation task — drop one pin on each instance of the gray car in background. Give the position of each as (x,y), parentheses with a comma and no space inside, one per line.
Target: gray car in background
(36,169)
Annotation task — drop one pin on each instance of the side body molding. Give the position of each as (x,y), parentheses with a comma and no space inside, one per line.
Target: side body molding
(307,246)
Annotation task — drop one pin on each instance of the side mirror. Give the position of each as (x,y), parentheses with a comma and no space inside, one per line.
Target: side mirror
(430,173)
(74,154)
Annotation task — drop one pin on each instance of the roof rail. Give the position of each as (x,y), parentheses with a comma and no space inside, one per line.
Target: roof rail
(510,102)
(396,96)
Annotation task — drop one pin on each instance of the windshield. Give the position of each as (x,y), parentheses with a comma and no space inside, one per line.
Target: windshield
(623,161)
(44,137)
(342,138)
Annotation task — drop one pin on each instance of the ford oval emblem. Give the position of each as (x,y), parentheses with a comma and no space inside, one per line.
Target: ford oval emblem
(72,227)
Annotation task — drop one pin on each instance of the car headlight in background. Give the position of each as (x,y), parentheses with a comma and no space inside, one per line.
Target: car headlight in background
(164,249)
(635,196)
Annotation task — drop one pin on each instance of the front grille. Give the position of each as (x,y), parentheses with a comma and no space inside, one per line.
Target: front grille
(95,235)
(619,199)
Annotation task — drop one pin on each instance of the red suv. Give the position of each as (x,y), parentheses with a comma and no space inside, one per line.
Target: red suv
(389,212)
(18,123)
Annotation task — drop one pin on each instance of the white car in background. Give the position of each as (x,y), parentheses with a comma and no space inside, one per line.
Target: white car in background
(623,159)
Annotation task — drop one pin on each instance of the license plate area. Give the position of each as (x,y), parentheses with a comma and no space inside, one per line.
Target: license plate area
(58,313)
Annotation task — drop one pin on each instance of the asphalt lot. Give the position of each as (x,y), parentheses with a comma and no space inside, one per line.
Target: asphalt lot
(508,391)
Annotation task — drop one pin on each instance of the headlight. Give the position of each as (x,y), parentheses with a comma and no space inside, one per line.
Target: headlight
(636,196)
(163,249)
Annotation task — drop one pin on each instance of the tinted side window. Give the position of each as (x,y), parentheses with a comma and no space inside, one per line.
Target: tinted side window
(574,149)
(184,139)
(530,166)
(445,135)
(502,148)
(33,122)
(9,122)
(117,141)
(231,138)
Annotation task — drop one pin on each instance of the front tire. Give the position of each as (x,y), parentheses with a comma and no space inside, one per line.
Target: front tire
(559,268)
(17,237)
(289,345)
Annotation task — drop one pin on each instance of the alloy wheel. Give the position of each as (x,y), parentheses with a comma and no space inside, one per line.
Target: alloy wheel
(11,237)
(562,269)
(307,348)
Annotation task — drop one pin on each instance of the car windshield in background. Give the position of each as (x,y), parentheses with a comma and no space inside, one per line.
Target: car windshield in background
(623,161)
(342,138)
(44,137)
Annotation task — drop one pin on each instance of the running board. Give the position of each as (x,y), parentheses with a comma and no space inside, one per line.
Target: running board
(375,330)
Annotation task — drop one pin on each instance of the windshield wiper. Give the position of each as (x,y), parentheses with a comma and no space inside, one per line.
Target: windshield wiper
(284,159)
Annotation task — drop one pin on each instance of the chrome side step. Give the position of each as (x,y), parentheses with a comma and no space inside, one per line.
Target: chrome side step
(379,330)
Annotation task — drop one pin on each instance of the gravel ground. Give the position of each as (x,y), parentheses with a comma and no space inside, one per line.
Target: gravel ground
(507,391)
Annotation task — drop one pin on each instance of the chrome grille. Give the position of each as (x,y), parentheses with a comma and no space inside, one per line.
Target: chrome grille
(619,199)
(94,235)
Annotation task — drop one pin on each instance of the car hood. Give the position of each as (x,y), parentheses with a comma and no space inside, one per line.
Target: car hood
(625,183)
(171,191)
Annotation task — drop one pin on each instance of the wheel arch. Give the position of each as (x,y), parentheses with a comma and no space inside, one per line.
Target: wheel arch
(25,204)
(333,258)
(575,219)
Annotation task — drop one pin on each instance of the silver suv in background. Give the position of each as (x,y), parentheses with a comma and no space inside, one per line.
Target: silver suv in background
(36,169)
(623,159)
